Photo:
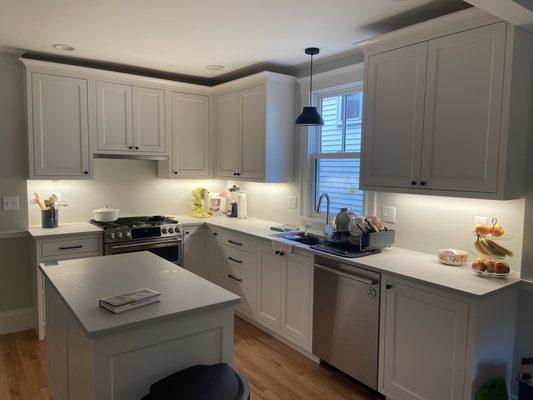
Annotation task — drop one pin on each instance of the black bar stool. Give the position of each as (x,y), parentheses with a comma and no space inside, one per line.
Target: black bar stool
(202,382)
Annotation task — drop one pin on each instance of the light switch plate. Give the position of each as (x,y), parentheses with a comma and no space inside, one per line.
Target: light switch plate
(292,201)
(10,203)
(389,214)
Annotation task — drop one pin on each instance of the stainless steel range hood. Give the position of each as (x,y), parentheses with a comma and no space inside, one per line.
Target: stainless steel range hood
(131,157)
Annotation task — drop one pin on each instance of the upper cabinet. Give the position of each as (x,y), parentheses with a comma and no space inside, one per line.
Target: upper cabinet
(58,126)
(448,115)
(190,131)
(254,128)
(129,119)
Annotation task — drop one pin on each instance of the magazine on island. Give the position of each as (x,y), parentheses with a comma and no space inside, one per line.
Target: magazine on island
(128,301)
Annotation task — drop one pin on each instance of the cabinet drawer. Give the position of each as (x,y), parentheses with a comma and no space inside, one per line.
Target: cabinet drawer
(237,276)
(66,247)
(239,258)
(248,298)
(237,241)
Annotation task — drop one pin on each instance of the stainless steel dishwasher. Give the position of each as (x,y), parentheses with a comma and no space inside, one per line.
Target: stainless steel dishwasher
(346,319)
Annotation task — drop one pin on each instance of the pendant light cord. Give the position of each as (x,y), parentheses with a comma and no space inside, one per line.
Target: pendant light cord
(311,83)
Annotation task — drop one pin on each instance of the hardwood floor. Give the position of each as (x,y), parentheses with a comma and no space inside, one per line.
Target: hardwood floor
(274,370)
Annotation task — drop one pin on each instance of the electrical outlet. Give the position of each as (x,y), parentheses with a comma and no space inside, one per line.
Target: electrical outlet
(389,214)
(10,203)
(481,220)
(292,202)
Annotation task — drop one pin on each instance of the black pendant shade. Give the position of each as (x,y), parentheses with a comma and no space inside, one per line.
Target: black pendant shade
(310,115)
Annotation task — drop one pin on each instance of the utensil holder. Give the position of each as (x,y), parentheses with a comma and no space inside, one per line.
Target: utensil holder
(50,218)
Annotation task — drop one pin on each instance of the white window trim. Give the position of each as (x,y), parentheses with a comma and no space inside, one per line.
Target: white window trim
(309,157)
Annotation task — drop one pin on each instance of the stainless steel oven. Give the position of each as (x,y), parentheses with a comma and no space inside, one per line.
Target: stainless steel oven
(169,248)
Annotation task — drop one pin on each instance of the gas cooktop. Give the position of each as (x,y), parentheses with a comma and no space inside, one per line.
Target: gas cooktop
(139,228)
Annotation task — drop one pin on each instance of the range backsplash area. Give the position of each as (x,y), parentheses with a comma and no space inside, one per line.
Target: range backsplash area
(133,187)
(428,223)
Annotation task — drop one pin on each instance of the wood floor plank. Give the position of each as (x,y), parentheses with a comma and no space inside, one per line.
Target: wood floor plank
(274,370)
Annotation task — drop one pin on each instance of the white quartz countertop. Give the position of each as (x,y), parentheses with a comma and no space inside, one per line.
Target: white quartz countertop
(70,228)
(82,282)
(403,263)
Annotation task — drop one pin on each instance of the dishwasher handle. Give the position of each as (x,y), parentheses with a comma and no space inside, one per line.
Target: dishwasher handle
(349,275)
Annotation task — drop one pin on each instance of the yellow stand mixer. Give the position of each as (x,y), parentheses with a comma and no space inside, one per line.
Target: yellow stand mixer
(199,200)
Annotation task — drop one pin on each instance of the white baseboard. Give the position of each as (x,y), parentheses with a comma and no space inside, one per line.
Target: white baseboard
(18,320)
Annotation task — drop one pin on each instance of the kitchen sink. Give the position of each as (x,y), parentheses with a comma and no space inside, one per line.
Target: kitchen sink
(308,239)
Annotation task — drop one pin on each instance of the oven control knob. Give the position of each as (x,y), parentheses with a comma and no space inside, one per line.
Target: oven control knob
(171,230)
(119,235)
(164,231)
(111,236)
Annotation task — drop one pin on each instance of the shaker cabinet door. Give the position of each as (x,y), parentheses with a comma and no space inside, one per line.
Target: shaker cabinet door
(149,120)
(228,134)
(269,288)
(190,135)
(425,341)
(60,127)
(393,117)
(463,110)
(113,111)
(252,142)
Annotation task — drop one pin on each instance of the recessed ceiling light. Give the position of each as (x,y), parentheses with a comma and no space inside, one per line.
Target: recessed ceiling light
(63,47)
(214,67)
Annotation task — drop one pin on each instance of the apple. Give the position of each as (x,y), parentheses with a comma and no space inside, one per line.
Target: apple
(501,268)
(482,229)
(479,265)
(497,230)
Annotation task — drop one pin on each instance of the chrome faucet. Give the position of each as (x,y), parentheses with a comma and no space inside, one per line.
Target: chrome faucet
(328,229)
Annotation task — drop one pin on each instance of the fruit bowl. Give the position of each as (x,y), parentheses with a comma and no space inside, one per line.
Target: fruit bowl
(493,274)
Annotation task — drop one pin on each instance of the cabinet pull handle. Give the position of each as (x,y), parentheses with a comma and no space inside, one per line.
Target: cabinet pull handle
(423,183)
(388,286)
(235,260)
(86,172)
(280,253)
(215,234)
(413,183)
(71,247)
(235,279)
(235,243)
(186,232)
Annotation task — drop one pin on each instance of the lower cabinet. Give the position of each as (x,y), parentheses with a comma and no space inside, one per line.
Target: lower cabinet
(425,343)
(285,294)
(194,250)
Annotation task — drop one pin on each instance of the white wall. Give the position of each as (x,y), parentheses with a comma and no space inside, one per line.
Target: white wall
(133,187)
(428,223)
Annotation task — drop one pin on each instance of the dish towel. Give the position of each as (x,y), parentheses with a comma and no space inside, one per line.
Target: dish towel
(281,246)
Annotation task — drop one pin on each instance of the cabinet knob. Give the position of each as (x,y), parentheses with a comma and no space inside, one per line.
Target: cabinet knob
(130,147)
(215,234)
(136,147)
(86,172)
(175,172)
(413,183)
(186,232)
(422,183)
(388,286)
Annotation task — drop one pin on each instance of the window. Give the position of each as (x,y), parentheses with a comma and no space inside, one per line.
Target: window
(336,149)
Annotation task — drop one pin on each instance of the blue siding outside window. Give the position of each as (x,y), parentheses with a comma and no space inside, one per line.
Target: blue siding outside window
(341,134)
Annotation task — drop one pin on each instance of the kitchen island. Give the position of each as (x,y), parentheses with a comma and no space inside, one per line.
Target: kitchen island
(95,354)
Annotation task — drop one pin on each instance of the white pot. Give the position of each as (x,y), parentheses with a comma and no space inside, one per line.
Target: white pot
(106,214)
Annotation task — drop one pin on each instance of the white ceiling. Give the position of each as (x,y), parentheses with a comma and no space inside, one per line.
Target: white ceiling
(183,36)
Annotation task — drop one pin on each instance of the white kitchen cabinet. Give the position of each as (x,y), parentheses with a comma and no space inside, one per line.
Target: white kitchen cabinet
(194,254)
(114,116)
(254,128)
(439,345)
(449,114)
(149,120)
(269,271)
(425,344)
(190,127)
(394,116)
(58,127)
(285,294)
(297,299)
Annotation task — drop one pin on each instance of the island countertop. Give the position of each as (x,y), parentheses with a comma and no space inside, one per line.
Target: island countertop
(82,282)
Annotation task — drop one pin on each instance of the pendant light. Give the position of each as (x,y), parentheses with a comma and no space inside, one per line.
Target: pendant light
(310,115)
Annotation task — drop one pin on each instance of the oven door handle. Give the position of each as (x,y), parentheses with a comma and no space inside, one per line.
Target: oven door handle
(144,245)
